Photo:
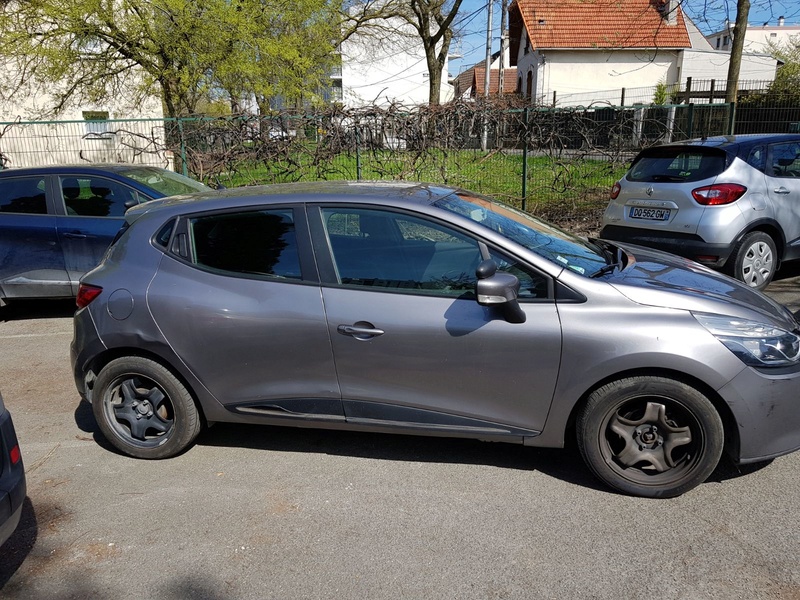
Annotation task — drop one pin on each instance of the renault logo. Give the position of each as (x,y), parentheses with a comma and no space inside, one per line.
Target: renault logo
(649,190)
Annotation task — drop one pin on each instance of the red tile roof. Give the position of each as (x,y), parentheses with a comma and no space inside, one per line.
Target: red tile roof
(509,80)
(593,24)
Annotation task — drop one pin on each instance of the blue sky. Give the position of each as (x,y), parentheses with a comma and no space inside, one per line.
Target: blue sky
(708,15)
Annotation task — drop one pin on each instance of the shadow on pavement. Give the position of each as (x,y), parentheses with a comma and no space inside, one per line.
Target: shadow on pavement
(564,464)
(17,548)
(37,309)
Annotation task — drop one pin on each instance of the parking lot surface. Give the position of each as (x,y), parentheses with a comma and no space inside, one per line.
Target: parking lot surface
(262,512)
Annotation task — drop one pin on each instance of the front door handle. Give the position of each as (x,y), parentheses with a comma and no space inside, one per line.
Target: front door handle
(76,236)
(360,330)
(781,190)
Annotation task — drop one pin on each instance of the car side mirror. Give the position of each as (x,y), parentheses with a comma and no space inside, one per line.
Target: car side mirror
(499,289)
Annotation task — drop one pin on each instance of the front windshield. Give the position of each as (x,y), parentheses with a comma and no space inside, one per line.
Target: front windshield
(547,241)
(166,182)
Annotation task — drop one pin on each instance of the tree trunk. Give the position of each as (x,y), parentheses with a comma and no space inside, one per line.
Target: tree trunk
(734,66)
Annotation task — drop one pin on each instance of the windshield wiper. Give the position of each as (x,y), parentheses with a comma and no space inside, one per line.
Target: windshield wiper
(605,269)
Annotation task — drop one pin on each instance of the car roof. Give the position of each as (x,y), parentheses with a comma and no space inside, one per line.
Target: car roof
(91,169)
(738,144)
(399,193)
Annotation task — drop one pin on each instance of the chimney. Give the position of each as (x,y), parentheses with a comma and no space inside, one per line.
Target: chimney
(669,11)
(781,21)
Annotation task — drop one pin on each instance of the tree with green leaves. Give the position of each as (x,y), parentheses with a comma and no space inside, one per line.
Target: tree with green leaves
(181,50)
(787,81)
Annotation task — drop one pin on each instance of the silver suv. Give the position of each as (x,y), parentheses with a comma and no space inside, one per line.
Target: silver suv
(731,203)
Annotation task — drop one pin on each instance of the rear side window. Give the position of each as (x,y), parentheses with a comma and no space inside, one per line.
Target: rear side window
(677,164)
(23,195)
(260,242)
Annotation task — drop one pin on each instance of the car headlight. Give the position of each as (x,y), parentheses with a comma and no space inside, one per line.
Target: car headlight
(756,344)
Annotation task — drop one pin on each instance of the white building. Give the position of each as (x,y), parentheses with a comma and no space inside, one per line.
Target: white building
(568,49)
(386,66)
(756,38)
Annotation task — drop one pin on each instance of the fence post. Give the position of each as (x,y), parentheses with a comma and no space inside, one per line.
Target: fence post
(358,156)
(688,97)
(525,137)
(690,120)
(184,167)
(731,117)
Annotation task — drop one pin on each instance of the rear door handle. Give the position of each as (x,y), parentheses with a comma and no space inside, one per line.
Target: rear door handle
(360,330)
(781,190)
(76,235)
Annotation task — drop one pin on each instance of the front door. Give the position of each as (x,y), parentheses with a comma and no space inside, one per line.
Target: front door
(411,344)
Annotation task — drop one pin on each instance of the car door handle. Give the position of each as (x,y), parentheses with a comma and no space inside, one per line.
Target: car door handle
(360,331)
(781,190)
(76,236)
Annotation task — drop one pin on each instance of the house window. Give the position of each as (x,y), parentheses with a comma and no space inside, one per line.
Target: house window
(725,40)
(96,121)
(719,41)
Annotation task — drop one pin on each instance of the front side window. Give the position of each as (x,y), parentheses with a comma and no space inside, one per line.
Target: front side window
(382,249)
(23,195)
(91,196)
(399,252)
(258,242)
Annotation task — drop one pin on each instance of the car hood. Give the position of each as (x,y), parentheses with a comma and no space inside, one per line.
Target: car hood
(656,278)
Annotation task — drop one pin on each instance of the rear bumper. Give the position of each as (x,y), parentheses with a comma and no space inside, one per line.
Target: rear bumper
(686,245)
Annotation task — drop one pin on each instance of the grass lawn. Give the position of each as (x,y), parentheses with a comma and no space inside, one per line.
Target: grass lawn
(562,184)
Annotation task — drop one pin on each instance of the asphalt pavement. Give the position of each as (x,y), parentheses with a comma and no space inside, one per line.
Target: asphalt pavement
(262,512)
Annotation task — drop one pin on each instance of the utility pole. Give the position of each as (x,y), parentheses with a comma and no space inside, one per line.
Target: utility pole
(487,74)
(503,46)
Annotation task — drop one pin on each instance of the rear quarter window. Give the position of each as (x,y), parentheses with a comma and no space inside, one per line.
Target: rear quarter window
(677,164)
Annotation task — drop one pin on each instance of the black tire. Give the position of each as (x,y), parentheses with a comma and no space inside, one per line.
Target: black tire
(754,260)
(143,409)
(650,436)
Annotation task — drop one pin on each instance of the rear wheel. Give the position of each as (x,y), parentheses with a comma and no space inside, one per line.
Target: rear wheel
(650,436)
(143,409)
(754,260)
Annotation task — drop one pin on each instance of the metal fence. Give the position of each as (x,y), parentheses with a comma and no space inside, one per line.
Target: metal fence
(559,163)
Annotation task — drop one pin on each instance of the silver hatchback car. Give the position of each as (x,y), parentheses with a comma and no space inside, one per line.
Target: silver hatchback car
(419,309)
(731,203)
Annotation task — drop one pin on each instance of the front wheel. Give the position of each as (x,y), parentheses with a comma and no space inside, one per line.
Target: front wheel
(650,436)
(143,409)
(754,260)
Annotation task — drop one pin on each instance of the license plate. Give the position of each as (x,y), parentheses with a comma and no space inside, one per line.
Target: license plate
(650,214)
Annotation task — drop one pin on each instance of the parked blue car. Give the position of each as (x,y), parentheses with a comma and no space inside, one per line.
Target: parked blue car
(56,222)
(12,476)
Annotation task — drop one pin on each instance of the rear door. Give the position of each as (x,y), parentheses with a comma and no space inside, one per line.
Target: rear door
(91,210)
(31,261)
(238,300)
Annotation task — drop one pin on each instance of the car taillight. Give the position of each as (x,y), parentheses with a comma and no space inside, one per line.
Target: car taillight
(615,190)
(87,293)
(15,455)
(721,193)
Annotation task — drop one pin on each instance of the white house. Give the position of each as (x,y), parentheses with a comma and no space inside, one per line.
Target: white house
(388,68)
(567,50)
(756,38)
(112,131)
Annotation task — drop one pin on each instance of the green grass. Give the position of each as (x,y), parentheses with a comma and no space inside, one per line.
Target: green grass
(552,183)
